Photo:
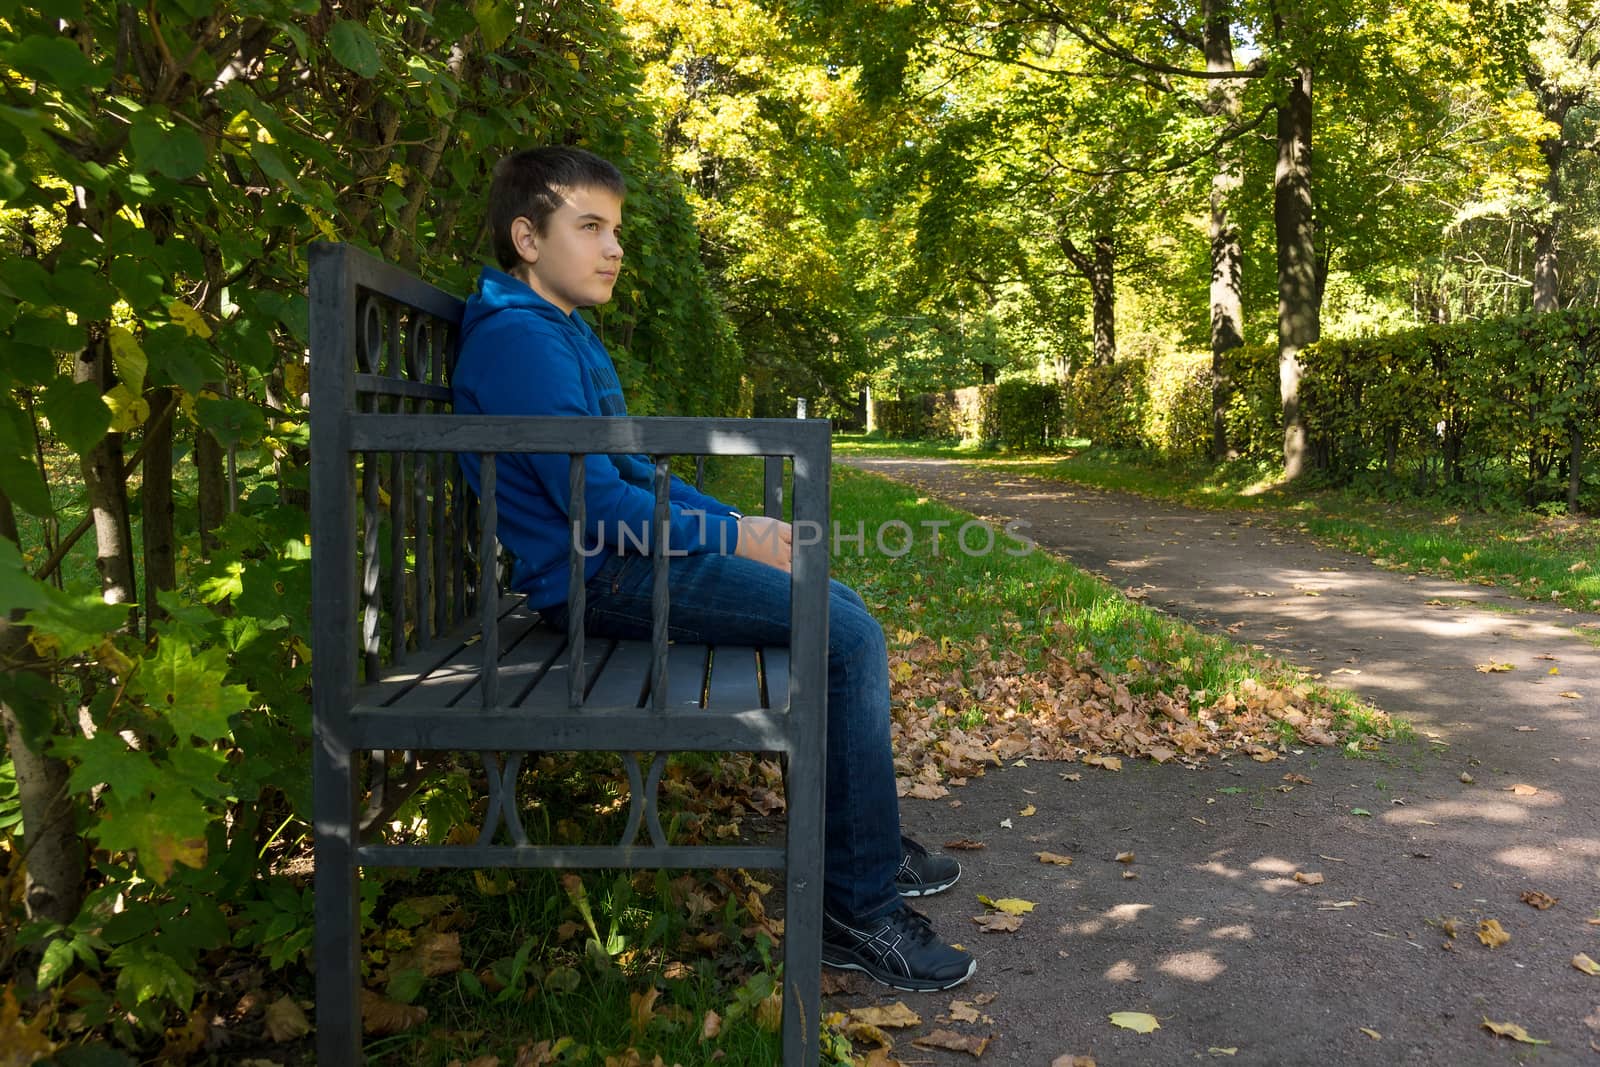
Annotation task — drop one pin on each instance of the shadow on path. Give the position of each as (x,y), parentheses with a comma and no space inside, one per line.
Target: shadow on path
(1498,796)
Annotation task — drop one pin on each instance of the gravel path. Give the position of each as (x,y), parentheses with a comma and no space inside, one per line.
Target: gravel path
(1499,795)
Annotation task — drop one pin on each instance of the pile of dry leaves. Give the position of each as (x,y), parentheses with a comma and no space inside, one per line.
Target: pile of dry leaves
(959,709)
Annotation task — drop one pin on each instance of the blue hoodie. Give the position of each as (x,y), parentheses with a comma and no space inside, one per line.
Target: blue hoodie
(522,355)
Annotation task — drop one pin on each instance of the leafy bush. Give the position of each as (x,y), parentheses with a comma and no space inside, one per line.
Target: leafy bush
(163,167)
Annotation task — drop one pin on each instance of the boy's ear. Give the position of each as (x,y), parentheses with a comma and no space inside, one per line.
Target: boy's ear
(525,238)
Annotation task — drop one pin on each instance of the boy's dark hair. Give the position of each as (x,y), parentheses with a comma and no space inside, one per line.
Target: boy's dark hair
(529,184)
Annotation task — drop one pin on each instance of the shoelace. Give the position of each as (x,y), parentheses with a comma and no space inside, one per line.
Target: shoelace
(914,923)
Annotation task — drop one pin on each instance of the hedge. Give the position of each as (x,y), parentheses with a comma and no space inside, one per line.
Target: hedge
(1478,408)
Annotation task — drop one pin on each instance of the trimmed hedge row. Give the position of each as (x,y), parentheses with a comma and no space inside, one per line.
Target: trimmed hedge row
(1500,406)
(1012,414)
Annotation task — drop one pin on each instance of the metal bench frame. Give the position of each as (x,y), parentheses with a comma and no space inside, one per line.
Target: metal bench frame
(382,344)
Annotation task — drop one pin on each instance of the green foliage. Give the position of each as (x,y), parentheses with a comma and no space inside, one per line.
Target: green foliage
(163,167)
(1477,408)
(1107,402)
(1013,414)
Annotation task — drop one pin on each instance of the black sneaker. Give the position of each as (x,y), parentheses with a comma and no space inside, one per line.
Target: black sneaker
(900,950)
(922,874)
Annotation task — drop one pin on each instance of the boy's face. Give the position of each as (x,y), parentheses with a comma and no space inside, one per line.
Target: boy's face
(574,263)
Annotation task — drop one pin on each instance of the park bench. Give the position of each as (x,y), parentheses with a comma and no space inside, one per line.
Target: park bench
(417,650)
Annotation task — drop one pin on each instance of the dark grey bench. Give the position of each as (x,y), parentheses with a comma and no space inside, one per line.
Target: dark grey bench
(417,650)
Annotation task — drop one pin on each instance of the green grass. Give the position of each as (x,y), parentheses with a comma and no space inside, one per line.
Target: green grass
(1542,558)
(951,595)
(538,969)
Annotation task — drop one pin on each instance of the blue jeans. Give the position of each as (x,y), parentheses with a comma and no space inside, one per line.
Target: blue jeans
(732,601)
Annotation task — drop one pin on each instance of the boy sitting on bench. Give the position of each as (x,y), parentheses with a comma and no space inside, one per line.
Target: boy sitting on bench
(555,217)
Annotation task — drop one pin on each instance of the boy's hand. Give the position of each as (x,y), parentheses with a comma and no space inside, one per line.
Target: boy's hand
(765,540)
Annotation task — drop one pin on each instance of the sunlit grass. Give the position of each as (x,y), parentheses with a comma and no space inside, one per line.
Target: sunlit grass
(960,596)
(1542,558)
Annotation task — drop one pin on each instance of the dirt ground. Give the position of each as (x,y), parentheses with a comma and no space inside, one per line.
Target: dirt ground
(1208,929)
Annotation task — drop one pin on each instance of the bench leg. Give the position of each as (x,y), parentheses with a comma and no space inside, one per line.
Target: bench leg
(338,905)
(802,927)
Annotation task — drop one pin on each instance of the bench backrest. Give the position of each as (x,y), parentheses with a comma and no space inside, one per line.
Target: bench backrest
(418,547)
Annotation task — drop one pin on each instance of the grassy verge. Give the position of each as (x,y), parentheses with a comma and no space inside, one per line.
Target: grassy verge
(1542,558)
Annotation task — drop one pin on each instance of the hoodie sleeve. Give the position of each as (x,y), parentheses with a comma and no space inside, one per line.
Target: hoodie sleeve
(639,470)
(533,378)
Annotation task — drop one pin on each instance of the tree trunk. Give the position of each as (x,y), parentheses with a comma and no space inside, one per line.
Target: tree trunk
(1546,272)
(54,851)
(1227,252)
(1100,271)
(1546,247)
(155,496)
(1299,310)
(209,459)
(1103,284)
(1575,468)
(104,484)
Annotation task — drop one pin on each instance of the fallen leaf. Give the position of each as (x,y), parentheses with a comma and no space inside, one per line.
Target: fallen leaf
(1009,905)
(894,1016)
(1029,810)
(769,1012)
(285,1020)
(1371,1033)
(380,1015)
(1538,899)
(1110,763)
(998,922)
(864,1032)
(949,1039)
(1230,1051)
(1522,789)
(1297,778)
(927,791)
(964,1011)
(1073,1061)
(642,1009)
(710,1026)
(1495,668)
(433,954)
(1308,879)
(1124,857)
(1138,1021)
(965,844)
(1586,965)
(1075,777)
(1513,1031)
(1361,811)
(1526,729)
(1051,857)
(1130,875)
(1467,779)
(1572,695)
(1492,934)
(878,1057)
(1005,824)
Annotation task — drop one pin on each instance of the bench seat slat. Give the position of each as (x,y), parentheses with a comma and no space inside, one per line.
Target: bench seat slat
(735,681)
(775,666)
(574,856)
(440,727)
(455,653)
(625,679)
